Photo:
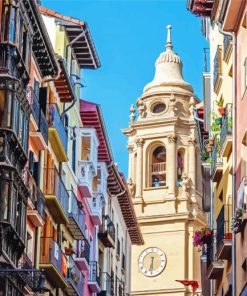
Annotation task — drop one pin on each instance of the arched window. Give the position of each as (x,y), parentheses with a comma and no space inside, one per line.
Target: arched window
(180,163)
(158,167)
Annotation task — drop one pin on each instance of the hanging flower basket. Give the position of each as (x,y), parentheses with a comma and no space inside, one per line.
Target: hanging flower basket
(202,237)
(218,121)
(221,111)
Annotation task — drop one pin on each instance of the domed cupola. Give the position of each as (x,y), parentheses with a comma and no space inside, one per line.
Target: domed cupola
(168,74)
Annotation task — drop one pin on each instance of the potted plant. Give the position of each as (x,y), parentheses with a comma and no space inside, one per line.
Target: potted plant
(69,250)
(202,236)
(204,155)
(220,104)
(218,120)
(215,128)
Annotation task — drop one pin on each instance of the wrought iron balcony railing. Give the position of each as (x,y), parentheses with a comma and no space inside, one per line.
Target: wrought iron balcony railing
(216,157)
(107,227)
(75,277)
(75,212)
(226,126)
(53,185)
(83,250)
(55,121)
(224,224)
(94,273)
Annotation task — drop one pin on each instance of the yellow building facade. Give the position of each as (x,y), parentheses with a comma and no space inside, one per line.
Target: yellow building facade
(165,181)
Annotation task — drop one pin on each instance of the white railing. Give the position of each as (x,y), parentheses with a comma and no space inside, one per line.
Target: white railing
(159,167)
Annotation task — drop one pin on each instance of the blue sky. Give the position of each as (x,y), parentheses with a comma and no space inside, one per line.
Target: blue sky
(129,36)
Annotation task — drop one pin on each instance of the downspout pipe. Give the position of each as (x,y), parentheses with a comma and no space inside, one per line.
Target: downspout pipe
(233,35)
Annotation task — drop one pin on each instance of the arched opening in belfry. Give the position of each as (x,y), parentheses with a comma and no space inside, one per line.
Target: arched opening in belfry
(180,163)
(158,167)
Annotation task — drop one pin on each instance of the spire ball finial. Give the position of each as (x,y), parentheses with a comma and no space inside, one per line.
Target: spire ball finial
(169,45)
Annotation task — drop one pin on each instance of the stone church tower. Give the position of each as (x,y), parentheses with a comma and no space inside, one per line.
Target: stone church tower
(164,181)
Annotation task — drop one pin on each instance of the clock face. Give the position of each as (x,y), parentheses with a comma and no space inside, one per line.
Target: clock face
(152,262)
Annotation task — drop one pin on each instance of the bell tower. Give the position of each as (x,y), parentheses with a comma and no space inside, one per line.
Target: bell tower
(164,180)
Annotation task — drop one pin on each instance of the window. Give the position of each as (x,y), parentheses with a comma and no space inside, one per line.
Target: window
(158,108)
(73,154)
(12,24)
(180,163)
(158,167)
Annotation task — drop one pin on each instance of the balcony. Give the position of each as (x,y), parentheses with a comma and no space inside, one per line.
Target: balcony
(105,284)
(217,162)
(83,255)
(11,150)
(217,74)
(224,234)
(57,134)
(38,123)
(102,174)
(53,262)
(76,218)
(85,178)
(75,279)
(206,187)
(107,232)
(215,267)
(226,132)
(87,166)
(94,279)
(36,210)
(158,171)
(227,43)
(95,206)
(56,196)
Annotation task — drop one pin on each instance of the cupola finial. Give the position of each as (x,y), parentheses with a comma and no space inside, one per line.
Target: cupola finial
(169,39)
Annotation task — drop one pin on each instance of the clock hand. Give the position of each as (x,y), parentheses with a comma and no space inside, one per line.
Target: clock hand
(151,268)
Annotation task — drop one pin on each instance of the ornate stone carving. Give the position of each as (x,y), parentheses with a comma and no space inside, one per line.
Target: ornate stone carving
(141,107)
(172,139)
(192,141)
(132,188)
(130,148)
(140,142)
(191,106)
(132,115)
(186,184)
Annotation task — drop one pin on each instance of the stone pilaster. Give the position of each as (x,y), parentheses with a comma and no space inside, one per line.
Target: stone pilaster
(192,164)
(139,167)
(171,165)
(131,173)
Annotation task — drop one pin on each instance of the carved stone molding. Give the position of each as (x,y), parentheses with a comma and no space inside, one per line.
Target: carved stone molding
(140,142)
(130,148)
(192,141)
(172,139)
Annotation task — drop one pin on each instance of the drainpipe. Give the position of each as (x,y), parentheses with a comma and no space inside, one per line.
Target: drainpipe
(233,35)
(67,51)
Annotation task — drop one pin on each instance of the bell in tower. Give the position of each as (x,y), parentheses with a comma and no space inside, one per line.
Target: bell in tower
(165,180)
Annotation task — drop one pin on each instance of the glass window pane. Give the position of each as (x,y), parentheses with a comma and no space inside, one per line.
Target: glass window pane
(12,24)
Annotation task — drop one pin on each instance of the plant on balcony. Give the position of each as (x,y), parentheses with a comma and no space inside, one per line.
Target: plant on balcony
(220,104)
(216,122)
(237,220)
(74,277)
(202,237)
(204,155)
(229,123)
(69,250)
(215,128)
(211,142)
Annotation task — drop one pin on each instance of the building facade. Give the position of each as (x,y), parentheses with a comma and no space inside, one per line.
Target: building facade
(67,221)
(165,180)
(224,26)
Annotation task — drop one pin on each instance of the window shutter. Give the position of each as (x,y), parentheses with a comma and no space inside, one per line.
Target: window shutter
(43,98)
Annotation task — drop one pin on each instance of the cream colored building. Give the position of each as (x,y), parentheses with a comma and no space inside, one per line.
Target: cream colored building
(165,181)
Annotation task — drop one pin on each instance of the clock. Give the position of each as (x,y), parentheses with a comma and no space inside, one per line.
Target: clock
(152,262)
